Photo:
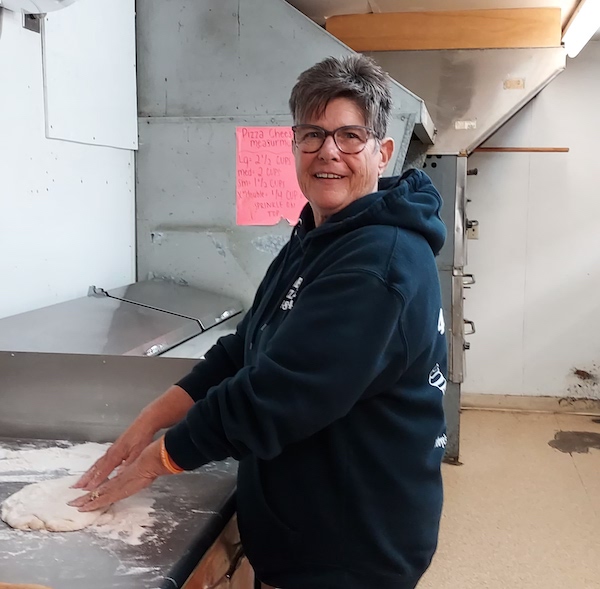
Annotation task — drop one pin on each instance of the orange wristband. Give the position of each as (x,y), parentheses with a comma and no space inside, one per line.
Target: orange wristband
(166,460)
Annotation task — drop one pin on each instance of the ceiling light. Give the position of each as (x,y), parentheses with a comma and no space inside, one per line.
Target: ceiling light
(582,26)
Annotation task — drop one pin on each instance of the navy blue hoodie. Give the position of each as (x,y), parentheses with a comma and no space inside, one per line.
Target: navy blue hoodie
(330,396)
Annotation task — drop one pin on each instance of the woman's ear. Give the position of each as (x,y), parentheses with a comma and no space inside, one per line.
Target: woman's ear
(386,149)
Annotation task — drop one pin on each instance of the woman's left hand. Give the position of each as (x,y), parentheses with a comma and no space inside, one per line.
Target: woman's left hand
(129,480)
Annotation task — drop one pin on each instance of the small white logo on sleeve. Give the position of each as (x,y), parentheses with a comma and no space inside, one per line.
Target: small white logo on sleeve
(441,441)
(437,379)
(288,301)
(441,324)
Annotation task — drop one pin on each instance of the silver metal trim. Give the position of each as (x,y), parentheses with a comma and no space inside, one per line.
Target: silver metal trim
(456,348)
(460,213)
(424,128)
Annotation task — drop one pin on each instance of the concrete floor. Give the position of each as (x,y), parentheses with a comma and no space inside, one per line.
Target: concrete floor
(519,513)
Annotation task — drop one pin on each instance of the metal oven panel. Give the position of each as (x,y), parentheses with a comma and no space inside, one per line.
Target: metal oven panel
(460,214)
(456,367)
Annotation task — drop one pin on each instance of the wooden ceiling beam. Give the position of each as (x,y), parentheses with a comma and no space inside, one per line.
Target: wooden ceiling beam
(459,29)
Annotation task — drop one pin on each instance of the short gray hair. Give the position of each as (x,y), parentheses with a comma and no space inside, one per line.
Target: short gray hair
(355,77)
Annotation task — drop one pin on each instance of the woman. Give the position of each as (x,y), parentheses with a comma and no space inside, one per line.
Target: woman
(330,392)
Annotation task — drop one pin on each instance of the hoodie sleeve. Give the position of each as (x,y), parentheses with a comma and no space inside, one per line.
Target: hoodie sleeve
(341,340)
(224,359)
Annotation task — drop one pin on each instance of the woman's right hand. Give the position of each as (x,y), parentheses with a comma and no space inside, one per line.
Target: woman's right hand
(122,453)
(164,412)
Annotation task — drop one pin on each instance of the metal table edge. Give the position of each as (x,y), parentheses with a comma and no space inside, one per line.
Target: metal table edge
(183,568)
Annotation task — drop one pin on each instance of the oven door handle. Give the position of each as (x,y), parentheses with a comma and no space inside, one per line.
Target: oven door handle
(468,279)
(472,324)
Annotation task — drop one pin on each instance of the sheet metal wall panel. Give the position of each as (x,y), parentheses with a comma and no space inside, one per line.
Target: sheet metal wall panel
(186,205)
(224,58)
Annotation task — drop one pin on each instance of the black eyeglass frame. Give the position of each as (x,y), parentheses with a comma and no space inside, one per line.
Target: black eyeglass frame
(326,133)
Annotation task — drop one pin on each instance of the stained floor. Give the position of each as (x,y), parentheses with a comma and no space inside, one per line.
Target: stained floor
(523,509)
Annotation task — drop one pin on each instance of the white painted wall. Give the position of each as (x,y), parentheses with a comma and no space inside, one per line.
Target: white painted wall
(66,209)
(537,261)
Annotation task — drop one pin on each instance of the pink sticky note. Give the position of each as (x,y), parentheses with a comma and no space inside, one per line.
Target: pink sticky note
(266,186)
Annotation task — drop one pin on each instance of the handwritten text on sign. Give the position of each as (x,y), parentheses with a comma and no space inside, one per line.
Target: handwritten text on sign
(266,186)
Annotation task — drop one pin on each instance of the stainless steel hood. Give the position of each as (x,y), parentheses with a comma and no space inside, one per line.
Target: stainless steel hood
(472,93)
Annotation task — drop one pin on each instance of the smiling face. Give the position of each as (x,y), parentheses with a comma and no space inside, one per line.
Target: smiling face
(331,180)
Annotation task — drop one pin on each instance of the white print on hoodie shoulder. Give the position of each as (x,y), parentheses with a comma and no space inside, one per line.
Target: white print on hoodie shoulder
(288,302)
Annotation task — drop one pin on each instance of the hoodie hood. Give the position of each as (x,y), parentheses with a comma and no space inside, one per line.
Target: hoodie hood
(409,202)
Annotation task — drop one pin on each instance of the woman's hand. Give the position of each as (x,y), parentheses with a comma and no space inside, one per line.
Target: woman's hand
(132,478)
(128,447)
(164,412)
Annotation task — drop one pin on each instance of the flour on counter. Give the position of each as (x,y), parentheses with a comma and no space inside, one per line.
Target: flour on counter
(126,521)
(71,458)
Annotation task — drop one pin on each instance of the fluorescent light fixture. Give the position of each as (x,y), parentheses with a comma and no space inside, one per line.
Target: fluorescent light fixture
(582,26)
(35,6)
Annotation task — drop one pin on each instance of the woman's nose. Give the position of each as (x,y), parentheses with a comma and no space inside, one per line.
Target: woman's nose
(329,150)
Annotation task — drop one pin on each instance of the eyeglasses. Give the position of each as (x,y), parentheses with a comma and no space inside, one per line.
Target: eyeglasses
(350,139)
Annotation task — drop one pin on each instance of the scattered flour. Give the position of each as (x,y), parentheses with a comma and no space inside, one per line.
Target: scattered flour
(126,521)
(73,459)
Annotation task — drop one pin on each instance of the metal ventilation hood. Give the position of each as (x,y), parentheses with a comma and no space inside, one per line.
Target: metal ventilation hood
(472,93)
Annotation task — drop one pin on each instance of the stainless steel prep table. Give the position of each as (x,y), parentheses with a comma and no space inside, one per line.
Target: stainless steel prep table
(81,371)
(190,510)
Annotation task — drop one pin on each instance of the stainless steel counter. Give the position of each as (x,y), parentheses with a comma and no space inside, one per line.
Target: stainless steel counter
(82,371)
(190,510)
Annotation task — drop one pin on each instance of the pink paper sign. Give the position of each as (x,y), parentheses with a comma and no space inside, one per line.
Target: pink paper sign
(266,186)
